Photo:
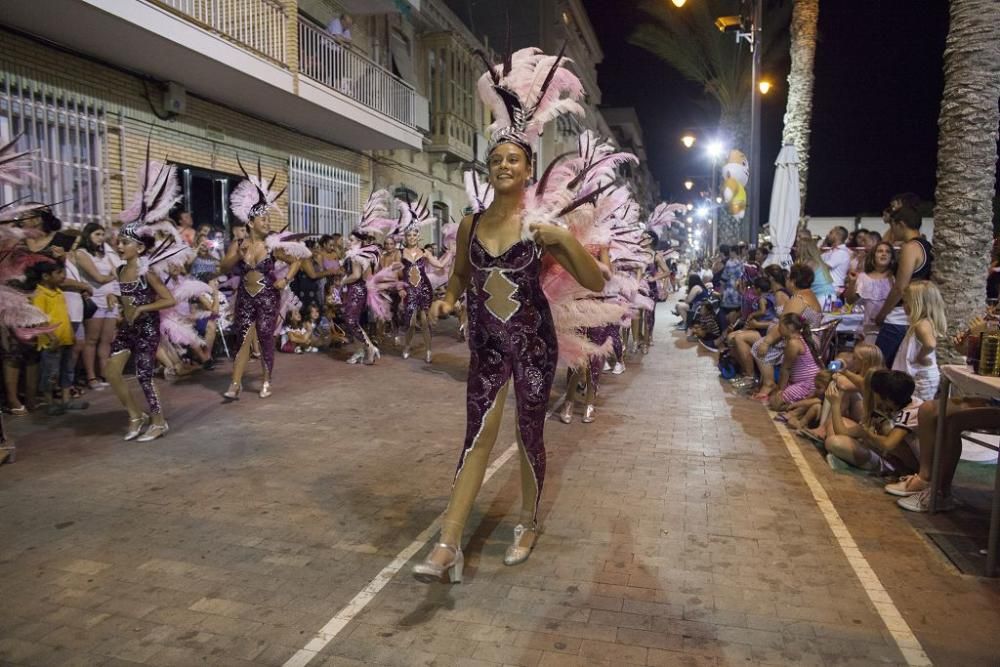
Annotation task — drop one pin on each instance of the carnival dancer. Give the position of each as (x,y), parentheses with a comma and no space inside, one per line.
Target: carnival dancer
(655,271)
(498,265)
(418,291)
(143,294)
(257,260)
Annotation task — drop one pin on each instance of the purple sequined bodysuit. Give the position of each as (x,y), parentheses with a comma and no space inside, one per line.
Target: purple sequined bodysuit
(141,338)
(511,334)
(257,303)
(654,294)
(419,292)
(355,300)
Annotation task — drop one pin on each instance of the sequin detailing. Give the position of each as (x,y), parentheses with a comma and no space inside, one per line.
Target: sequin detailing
(141,338)
(419,292)
(258,304)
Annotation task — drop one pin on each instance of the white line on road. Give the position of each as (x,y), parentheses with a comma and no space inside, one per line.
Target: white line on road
(907,642)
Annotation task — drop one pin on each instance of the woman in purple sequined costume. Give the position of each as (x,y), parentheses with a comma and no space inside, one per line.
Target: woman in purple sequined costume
(418,290)
(511,337)
(354,297)
(143,295)
(255,261)
(656,270)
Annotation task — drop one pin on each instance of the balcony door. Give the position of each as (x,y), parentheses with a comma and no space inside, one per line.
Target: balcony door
(206,194)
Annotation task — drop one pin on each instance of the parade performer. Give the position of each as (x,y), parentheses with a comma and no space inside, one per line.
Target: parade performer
(418,291)
(146,240)
(498,266)
(655,271)
(258,261)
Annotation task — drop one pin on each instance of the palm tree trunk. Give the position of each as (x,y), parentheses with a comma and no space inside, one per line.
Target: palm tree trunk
(967,156)
(798,111)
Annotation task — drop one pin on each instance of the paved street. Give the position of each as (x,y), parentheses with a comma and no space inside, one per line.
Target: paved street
(679,530)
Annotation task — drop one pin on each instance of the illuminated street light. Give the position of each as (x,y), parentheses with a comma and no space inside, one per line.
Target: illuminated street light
(688,140)
(688,184)
(702,211)
(764,86)
(715,150)
(679,3)
(690,207)
(690,219)
(718,200)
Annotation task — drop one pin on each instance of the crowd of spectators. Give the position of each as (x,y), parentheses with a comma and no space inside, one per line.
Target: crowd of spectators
(866,396)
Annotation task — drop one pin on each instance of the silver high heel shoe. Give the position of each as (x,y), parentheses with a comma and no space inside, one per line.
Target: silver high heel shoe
(265,389)
(566,414)
(233,393)
(155,431)
(357,357)
(428,356)
(516,554)
(406,352)
(588,414)
(135,426)
(372,355)
(430,572)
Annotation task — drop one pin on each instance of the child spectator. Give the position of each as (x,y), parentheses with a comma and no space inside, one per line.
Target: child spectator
(294,334)
(807,412)
(886,441)
(917,354)
(56,347)
(801,362)
(706,328)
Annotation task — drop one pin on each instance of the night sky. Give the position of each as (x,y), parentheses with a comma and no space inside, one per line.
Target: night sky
(875,104)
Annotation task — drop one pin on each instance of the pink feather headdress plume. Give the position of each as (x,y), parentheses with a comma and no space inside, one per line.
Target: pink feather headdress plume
(288,243)
(480,193)
(663,216)
(15,165)
(380,284)
(598,160)
(526,91)
(376,219)
(253,197)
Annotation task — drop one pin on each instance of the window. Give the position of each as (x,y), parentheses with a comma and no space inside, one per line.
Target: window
(322,199)
(441,212)
(68,133)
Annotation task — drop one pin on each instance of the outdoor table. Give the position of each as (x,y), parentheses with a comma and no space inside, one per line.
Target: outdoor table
(846,322)
(969,384)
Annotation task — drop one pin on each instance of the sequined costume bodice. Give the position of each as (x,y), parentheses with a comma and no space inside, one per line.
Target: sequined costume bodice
(138,292)
(414,272)
(257,277)
(507,286)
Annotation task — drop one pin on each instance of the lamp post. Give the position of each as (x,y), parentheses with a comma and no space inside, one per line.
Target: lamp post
(755,150)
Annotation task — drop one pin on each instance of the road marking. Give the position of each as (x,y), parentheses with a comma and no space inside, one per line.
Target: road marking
(335,625)
(905,640)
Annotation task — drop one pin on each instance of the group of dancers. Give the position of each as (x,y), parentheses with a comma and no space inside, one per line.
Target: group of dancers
(560,271)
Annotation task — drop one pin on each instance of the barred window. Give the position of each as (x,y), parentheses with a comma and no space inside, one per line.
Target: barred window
(68,134)
(322,199)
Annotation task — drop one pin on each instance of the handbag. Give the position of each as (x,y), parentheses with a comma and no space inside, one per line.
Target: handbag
(89,308)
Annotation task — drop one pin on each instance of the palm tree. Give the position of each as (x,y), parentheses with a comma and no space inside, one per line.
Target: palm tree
(967,157)
(798,109)
(690,43)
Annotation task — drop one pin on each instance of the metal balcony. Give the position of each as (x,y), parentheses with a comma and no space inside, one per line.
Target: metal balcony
(340,68)
(260,25)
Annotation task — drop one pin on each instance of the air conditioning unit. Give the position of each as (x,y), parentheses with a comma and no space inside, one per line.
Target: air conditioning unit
(174,98)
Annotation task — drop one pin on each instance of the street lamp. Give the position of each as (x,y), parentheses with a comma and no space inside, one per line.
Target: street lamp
(715,150)
(688,184)
(688,140)
(764,86)
(679,3)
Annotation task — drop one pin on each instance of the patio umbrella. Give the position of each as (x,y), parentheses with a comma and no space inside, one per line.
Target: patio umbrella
(784,214)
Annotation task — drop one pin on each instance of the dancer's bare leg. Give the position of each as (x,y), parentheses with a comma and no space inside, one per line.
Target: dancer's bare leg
(243,356)
(114,369)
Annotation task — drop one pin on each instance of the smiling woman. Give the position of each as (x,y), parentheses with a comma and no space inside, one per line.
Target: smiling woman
(512,336)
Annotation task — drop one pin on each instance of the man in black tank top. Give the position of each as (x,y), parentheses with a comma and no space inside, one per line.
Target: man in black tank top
(914,261)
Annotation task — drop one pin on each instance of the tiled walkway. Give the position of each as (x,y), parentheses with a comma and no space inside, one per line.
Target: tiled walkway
(678,531)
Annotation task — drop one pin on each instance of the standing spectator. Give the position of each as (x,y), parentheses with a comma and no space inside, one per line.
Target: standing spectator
(916,256)
(205,265)
(56,347)
(185,224)
(98,266)
(838,257)
(917,355)
(732,273)
(872,286)
(339,27)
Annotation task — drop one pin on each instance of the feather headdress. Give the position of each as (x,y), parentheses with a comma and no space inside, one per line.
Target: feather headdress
(15,165)
(253,197)
(414,215)
(526,91)
(480,193)
(663,216)
(376,219)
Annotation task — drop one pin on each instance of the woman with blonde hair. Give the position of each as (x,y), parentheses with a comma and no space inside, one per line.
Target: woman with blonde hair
(807,252)
(918,353)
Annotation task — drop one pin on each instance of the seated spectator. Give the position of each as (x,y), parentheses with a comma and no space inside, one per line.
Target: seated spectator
(871,287)
(917,355)
(294,335)
(885,443)
(851,380)
(806,413)
(773,302)
(807,252)
(695,292)
(706,329)
(801,362)
(205,265)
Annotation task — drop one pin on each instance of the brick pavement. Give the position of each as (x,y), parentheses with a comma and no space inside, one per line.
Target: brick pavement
(677,532)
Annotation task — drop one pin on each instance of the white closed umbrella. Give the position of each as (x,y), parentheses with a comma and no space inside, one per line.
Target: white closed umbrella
(784,213)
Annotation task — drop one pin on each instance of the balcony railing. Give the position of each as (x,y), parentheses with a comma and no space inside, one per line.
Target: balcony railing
(346,71)
(257,24)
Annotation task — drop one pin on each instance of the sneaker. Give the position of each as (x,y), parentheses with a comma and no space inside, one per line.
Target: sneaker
(921,502)
(618,369)
(607,366)
(298,350)
(837,465)
(909,485)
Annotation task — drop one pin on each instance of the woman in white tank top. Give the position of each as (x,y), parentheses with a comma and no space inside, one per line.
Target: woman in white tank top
(98,266)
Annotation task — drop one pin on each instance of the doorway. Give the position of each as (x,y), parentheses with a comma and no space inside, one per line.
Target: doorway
(206,195)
